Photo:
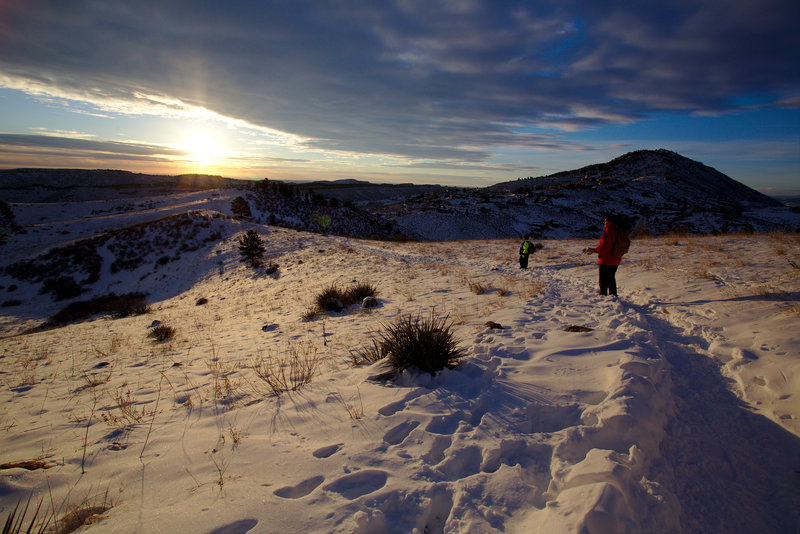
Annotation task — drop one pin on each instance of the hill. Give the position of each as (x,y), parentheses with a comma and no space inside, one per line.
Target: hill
(59,185)
(661,191)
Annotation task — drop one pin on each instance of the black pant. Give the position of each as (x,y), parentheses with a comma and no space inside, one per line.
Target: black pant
(523,261)
(608,280)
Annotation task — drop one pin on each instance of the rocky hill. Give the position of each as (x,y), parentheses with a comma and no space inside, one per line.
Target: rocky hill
(660,191)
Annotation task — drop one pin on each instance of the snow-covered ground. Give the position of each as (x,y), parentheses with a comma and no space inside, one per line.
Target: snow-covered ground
(677,412)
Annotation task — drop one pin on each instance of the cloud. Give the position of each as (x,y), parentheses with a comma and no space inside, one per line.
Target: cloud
(86,145)
(411,78)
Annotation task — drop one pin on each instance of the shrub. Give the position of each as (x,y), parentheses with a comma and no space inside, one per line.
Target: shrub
(426,344)
(334,299)
(357,293)
(111,304)
(330,299)
(62,287)
(162,332)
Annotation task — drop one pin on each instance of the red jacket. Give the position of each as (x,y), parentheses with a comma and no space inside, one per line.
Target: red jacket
(605,256)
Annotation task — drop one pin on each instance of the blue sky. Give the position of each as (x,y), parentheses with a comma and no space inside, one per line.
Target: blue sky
(461,92)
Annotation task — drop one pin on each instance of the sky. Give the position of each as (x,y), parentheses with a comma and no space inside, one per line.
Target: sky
(455,92)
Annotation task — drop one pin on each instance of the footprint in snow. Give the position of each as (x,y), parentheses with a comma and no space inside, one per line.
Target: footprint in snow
(436,454)
(445,424)
(237,527)
(360,483)
(394,407)
(325,452)
(300,490)
(400,432)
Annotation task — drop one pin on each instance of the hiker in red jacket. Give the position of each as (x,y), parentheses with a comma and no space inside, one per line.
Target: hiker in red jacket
(613,245)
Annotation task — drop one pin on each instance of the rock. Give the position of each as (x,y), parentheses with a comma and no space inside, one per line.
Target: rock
(575,328)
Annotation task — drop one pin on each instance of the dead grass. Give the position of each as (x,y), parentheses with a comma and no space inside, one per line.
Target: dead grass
(86,512)
(224,387)
(533,288)
(30,465)
(126,407)
(478,288)
(287,371)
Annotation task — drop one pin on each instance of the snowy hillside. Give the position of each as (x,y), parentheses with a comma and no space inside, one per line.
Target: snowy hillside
(672,408)
(663,191)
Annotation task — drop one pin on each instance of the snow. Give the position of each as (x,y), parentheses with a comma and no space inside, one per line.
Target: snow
(677,412)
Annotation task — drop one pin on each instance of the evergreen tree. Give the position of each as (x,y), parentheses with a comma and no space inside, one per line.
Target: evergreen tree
(240,207)
(252,248)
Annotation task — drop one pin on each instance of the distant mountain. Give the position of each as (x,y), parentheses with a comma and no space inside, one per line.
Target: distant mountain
(792,201)
(58,185)
(659,190)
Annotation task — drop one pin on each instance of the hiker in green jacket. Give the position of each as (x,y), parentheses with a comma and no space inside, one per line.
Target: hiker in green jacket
(525,250)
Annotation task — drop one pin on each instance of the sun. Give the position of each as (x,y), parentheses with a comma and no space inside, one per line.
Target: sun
(200,149)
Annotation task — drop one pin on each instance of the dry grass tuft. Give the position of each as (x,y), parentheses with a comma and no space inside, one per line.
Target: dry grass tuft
(30,465)
(534,288)
(287,371)
(129,414)
(477,288)
(87,512)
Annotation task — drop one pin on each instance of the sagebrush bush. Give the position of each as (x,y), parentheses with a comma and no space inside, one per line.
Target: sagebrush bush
(117,305)
(62,287)
(330,299)
(162,332)
(335,299)
(358,292)
(425,344)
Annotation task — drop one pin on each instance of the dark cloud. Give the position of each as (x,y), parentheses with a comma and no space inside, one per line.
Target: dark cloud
(86,145)
(442,80)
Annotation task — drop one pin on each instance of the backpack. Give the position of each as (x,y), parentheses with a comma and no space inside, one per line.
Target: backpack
(622,243)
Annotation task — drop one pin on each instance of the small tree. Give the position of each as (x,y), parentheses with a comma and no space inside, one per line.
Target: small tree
(252,248)
(240,207)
